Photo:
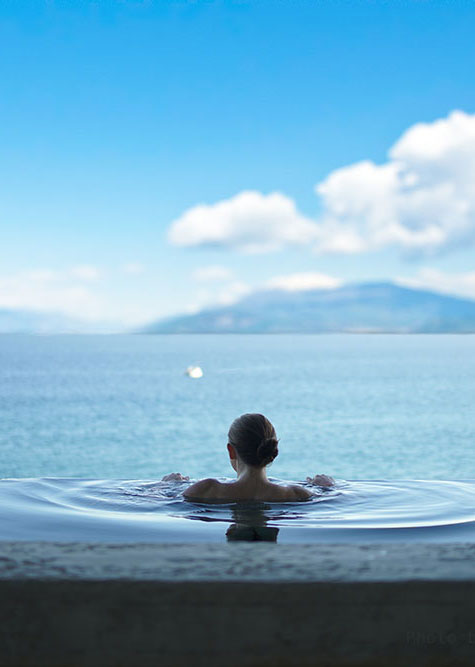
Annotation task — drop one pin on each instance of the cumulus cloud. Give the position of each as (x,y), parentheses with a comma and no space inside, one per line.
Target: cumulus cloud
(299,282)
(421,200)
(249,221)
(455,284)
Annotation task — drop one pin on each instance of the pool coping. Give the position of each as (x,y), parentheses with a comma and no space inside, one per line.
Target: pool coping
(238,561)
(236,604)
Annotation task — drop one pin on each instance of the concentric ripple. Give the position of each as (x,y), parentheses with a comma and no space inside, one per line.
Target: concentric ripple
(65,509)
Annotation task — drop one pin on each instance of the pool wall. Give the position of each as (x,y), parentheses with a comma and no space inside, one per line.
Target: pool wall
(245,604)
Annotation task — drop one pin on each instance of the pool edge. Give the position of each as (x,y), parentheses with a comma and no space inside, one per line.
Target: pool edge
(237,604)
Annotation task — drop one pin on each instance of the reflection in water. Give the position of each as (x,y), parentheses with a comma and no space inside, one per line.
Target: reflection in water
(250,525)
(72,510)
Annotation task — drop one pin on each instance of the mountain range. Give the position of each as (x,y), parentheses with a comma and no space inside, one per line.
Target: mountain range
(355,308)
(352,308)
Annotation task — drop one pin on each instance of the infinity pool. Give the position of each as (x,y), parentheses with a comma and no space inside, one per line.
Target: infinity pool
(85,510)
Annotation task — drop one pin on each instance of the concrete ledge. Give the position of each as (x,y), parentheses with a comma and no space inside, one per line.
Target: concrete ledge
(245,604)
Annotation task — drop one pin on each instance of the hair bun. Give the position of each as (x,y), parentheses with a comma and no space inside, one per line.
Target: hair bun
(267,450)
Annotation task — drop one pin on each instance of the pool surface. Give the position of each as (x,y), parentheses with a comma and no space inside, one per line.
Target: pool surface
(127,511)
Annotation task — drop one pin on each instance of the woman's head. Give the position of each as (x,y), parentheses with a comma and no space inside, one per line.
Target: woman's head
(254,439)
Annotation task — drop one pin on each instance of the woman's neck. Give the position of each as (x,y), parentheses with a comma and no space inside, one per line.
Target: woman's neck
(247,473)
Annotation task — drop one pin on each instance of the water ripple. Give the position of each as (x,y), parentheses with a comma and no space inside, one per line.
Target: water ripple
(65,509)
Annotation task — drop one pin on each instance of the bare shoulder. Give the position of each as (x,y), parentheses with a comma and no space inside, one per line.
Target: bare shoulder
(299,492)
(202,489)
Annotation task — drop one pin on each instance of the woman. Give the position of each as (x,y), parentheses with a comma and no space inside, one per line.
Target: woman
(252,445)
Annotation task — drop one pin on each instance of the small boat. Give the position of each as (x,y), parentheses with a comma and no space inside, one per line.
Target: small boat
(194,372)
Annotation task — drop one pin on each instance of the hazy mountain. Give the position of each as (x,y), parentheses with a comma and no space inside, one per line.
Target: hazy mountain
(373,307)
(36,322)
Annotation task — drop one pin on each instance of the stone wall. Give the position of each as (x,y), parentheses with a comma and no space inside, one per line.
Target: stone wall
(241,604)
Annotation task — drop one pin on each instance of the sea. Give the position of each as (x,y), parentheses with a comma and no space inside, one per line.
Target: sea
(90,424)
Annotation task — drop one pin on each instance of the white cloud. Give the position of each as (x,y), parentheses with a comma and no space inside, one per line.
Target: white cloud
(249,221)
(232,293)
(299,282)
(422,200)
(54,291)
(226,295)
(210,274)
(458,284)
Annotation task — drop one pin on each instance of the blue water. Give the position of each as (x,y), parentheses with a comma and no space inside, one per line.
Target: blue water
(351,406)
(89,419)
(70,510)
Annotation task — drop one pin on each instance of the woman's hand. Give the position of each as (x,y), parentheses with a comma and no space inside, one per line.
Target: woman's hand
(175,477)
(321,480)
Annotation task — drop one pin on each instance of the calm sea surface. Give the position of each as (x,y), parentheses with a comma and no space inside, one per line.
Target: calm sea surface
(352,406)
(95,421)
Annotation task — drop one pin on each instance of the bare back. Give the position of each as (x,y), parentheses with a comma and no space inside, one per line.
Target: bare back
(212,489)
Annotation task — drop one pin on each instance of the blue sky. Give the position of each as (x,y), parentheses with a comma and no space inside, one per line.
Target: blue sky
(119,119)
